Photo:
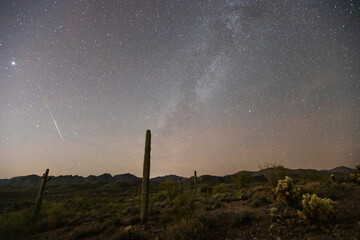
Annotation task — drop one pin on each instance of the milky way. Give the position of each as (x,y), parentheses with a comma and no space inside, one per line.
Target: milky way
(223,85)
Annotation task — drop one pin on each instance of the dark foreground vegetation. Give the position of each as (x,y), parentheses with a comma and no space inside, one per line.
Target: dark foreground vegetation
(304,204)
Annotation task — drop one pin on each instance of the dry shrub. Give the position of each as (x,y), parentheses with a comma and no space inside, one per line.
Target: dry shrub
(189,229)
(241,217)
(273,172)
(129,233)
(261,198)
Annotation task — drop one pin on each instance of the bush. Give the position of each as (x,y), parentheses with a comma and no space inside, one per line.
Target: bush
(129,233)
(317,211)
(189,229)
(15,225)
(221,188)
(327,189)
(131,210)
(243,179)
(274,214)
(286,192)
(183,204)
(261,198)
(241,217)
(55,215)
(273,173)
(171,189)
(160,196)
(205,188)
(244,194)
(212,220)
(85,233)
(81,204)
(283,215)
(18,224)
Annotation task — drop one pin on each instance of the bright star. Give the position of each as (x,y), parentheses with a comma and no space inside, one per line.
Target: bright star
(13,63)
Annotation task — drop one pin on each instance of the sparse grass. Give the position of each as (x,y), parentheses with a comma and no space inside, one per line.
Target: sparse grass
(129,233)
(171,189)
(261,198)
(241,217)
(205,189)
(84,233)
(327,189)
(189,229)
(183,204)
(243,179)
(244,194)
(131,210)
(221,189)
(15,225)
(203,226)
(212,220)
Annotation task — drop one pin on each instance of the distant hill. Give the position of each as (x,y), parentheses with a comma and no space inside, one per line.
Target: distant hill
(168,178)
(25,181)
(128,179)
(342,169)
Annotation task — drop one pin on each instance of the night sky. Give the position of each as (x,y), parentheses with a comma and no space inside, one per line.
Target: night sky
(223,85)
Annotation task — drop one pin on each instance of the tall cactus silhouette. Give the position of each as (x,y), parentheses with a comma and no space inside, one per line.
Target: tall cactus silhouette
(146,180)
(195,181)
(40,195)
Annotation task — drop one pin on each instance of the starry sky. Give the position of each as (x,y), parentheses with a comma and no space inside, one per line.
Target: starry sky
(223,85)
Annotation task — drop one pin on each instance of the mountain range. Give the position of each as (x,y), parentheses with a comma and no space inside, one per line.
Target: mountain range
(128,179)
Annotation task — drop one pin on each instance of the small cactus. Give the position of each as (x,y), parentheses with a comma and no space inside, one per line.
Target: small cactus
(317,211)
(286,191)
(40,195)
(146,180)
(355,177)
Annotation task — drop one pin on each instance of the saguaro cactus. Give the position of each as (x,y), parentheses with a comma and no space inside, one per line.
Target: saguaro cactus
(195,181)
(40,195)
(146,180)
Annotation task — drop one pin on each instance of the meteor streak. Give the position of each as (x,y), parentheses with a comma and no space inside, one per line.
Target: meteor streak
(52,117)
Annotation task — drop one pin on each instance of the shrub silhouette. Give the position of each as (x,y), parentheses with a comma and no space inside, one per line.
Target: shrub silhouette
(273,173)
(243,179)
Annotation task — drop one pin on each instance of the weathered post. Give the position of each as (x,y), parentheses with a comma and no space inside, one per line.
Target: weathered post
(40,195)
(195,181)
(146,180)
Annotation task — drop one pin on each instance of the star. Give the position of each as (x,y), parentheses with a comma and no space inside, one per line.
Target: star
(13,63)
